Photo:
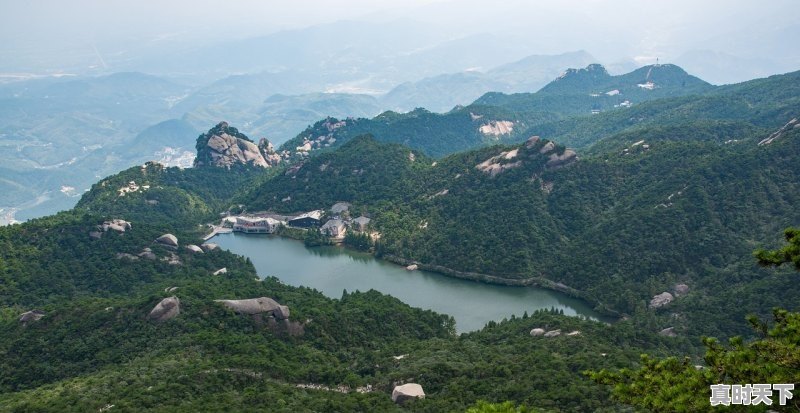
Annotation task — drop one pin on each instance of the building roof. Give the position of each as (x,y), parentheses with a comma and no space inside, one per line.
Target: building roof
(362,220)
(311,214)
(269,220)
(333,223)
(340,207)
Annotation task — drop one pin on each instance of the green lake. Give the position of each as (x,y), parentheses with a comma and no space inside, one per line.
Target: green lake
(332,269)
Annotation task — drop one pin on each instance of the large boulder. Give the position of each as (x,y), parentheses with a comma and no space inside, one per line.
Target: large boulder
(406,392)
(661,300)
(259,305)
(168,240)
(167,309)
(209,246)
(194,248)
(537,332)
(552,333)
(147,254)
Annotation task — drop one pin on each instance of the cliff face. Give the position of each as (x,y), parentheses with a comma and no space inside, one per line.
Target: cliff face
(224,146)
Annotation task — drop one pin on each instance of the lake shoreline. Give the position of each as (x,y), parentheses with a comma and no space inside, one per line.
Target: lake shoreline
(540,282)
(580,304)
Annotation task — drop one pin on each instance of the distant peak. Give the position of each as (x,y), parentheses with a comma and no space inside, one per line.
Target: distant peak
(594,69)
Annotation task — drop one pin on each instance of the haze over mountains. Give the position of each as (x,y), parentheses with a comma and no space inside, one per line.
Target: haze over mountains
(105,99)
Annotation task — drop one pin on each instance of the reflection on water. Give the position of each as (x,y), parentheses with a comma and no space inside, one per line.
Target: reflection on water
(331,269)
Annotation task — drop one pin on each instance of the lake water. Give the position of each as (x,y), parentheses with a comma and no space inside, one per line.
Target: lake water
(331,269)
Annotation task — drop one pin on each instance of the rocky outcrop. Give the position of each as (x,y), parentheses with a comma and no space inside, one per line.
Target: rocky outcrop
(661,300)
(499,163)
(556,161)
(166,309)
(497,128)
(271,157)
(223,146)
(406,392)
(668,332)
(532,141)
(257,306)
(168,240)
(194,248)
(126,256)
(30,316)
(147,254)
(549,146)
(574,333)
(95,234)
(412,267)
(209,246)
(536,332)
(553,333)
(223,270)
(118,225)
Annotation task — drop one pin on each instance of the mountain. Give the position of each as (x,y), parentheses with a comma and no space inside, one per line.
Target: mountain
(657,205)
(441,93)
(499,118)
(67,132)
(281,117)
(223,146)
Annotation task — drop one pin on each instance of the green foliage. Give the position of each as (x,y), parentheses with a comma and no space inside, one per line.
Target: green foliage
(787,254)
(676,385)
(359,241)
(506,407)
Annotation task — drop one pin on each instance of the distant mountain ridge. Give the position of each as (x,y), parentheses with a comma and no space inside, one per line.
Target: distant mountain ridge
(577,93)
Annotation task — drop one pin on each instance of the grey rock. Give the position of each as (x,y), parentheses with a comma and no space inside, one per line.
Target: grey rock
(559,161)
(680,289)
(30,316)
(259,305)
(147,254)
(118,225)
(533,140)
(661,300)
(95,234)
(549,146)
(406,392)
(168,240)
(126,256)
(209,246)
(194,248)
(553,333)
(167,309)
(223,270)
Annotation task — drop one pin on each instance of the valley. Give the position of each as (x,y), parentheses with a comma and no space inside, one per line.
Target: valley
(390,214)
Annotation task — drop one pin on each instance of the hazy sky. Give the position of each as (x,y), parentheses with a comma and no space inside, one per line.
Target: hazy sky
(36,34)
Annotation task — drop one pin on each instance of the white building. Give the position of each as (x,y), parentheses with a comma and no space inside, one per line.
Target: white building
(256,225)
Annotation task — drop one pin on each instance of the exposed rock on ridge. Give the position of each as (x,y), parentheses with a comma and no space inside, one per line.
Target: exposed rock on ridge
(257,306)
(224,146)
